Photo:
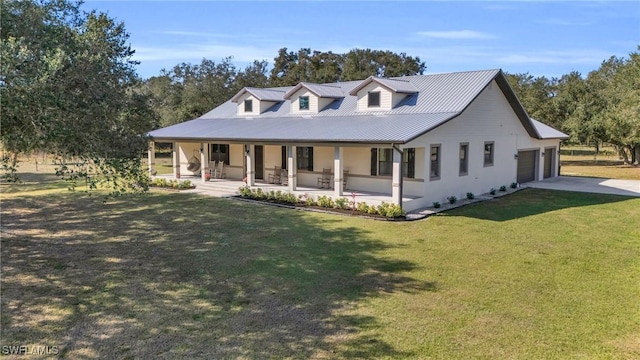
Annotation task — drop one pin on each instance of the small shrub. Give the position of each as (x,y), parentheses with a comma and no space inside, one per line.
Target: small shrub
(470,196)
(492,191)
(452,199)
(514,185)
(342,203)
(394,211)
(362,207)
(372,210)
(382,208)
(184,184)
(325,201)
(259,194)
(503,188)
(245,191)
(310,201)
(436,204)
(289,198)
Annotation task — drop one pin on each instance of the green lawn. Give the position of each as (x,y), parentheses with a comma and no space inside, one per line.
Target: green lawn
(536,274)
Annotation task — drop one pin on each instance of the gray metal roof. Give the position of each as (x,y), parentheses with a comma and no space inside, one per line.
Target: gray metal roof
(261,94)
(440,97)
(320,90)
(547,132)
(394,84)
(383,128)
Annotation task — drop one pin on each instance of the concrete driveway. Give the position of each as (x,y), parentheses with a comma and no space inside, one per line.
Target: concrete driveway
(591,185)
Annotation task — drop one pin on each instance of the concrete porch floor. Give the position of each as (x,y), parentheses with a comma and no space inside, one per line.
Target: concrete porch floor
(229,187)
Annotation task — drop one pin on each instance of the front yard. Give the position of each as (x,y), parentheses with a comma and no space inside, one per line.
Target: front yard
(536,274)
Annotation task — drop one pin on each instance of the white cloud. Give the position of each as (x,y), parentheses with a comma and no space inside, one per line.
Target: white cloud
(594,57)
(188,53)
(456,34)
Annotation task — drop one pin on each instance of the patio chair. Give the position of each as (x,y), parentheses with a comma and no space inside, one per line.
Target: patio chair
(284,177)
(213,169)
(275,177)
(325,180)
(220,170)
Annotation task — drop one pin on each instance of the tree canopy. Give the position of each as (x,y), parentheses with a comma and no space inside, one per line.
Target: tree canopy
(69,87)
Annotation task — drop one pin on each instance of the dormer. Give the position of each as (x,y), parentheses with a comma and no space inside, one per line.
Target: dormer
(254,101)
(375,94)
(308,98)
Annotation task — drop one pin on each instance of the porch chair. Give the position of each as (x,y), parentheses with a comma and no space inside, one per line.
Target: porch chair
(325,180)
(220,170)
(275,177)
(284,177)
(212,169)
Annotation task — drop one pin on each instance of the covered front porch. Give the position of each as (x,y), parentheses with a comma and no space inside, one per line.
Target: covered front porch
(229,187)
(331,170)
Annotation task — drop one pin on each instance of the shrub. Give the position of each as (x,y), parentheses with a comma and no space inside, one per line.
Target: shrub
(470,196)
(492,191)
(271,195)
(325,201)
(363,207)
(342,203)
(436,204)
(259,194)
(394,211)
(372,210)
(503,188)
(452,199)
(382,208)
(245,191)
(310,201)
(184,184)
(514,185)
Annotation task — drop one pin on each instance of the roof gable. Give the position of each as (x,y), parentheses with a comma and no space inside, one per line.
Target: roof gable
(319,90)
(395,85)
(273,95)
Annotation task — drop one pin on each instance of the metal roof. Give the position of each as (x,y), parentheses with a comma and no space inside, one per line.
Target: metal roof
(394,84)
(547,132)
(440,97)
(382,129)
(261,94)
(320,90)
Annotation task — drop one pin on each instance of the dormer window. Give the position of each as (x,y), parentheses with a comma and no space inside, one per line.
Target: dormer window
(374,99)
(304,102)
(248,105)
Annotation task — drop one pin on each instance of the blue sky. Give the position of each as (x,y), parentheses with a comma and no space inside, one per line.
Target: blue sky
(549,38)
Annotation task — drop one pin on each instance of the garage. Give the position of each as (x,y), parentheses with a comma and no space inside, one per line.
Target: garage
(526,166)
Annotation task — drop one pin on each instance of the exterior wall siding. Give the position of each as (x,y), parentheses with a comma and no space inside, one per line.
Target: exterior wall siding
(258,106)
(488,118)
(185,152)
(295,102)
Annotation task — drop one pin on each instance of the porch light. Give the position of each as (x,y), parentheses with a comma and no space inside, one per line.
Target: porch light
(515,156)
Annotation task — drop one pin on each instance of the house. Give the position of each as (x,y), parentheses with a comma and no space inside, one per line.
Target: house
(423,136)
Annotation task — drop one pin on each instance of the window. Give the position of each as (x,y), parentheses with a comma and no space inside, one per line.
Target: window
(385,161)
(220,152)
(409,163)
(248,105)
(488,153)
(382,162)
(434,161)
(374,99)
(304,158)
(464,159)
(304,102)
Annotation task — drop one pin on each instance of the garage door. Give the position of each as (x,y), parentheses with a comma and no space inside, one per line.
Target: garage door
(526,166)
(548,162)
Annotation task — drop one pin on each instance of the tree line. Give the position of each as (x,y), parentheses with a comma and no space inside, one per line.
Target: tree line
(69,86)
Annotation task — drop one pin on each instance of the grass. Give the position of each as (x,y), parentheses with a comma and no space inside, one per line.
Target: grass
(536,274)
(582,161)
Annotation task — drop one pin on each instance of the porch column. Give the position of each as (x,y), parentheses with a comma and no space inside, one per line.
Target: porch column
(152,157)
(396,182)
(204,161)
(250,151)
(292,173)
(337,171)
(176,160)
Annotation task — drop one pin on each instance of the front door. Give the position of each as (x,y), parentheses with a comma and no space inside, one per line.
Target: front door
(259,160)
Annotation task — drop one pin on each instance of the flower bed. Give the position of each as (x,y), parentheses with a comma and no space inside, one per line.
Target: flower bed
(172,184)
(341,205)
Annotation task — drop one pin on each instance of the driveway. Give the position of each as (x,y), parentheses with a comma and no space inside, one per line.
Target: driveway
(591,185)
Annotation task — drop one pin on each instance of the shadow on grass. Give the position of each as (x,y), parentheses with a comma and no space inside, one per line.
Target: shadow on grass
(528,202)
(177,275)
